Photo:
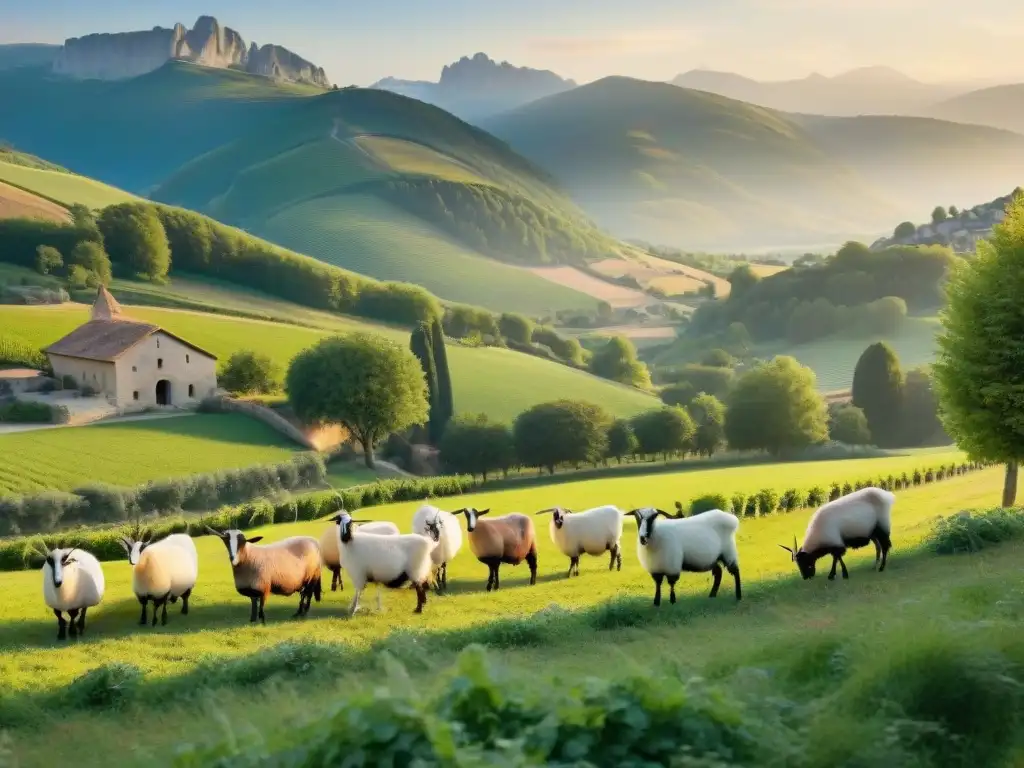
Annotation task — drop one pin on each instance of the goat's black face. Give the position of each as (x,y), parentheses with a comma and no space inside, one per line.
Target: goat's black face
(805,563)
(434,528)
(344,521)
(559,517)
(472,516)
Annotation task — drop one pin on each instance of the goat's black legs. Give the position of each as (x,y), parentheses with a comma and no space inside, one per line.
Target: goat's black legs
(184,601)
(716,573)
(658,578)
(735,571)
(531,560)
(61,625)
(144,619)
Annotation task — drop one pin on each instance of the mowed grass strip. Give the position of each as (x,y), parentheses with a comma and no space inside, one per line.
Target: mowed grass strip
(217,625)
(498,382)
(65,188)
(135,452)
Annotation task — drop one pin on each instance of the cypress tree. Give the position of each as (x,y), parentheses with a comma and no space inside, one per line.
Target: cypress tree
(878,391)
(422,347)
(445,398)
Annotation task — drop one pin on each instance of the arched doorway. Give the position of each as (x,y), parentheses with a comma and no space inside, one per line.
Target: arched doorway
(163,392)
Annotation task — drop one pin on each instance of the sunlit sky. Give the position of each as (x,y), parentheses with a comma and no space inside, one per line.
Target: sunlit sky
(360,42)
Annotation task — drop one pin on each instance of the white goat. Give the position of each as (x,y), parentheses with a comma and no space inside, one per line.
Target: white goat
(593,532)
(72,582)
(332,556)
(852,521)
(697,544)
(162,571)
(443,527)
(391,561)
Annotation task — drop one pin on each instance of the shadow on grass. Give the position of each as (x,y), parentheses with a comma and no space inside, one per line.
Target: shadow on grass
(111,686)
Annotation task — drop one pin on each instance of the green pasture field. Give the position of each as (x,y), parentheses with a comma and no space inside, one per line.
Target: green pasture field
(782,623)
(134,452)
(375,238)
(64,188)
(833,359)
(498,382)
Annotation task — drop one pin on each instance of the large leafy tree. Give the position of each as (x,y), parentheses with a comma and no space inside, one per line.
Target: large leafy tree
(776,407)
(370,385)
(979,374)
(708,413)
(617,361)
(621,440)
(136,241)
(878,391)
(562,432)
(474,445)
(250,373)
(664,430)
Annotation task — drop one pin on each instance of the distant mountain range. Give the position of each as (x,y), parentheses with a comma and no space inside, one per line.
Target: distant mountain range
(679,166)
(1000,106)
(478,87)
(865,91)
(120,56)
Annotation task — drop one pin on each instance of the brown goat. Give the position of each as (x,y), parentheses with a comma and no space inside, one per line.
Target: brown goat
(507,539)
(282,568)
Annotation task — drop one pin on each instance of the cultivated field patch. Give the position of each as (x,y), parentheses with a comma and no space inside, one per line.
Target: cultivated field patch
(17,203)
(65,188)
(618,296)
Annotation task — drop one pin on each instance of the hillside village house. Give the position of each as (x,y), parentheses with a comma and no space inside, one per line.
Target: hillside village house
(134,364)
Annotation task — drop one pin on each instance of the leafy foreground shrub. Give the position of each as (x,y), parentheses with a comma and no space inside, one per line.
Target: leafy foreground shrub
(708,502)
(974,531)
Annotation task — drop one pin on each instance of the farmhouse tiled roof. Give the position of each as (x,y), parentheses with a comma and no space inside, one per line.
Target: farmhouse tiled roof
(109,334)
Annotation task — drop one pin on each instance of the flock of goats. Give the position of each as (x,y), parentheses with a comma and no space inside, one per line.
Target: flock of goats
(378,553)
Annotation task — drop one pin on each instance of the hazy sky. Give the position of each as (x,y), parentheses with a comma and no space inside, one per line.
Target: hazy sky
(359,42)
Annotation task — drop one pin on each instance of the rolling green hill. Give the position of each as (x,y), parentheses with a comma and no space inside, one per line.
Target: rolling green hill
(54,183)
(1000,107)
(669,164)
(364,179)
(498,382)
(662,163)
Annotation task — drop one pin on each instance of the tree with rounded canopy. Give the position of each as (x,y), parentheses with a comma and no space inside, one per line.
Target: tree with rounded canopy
(939,215)
(136,240)
(847,424)
(718,358)
(878,391)
(708,413)
(776,407)
(678,394)
(617,361)
(515,327)
(369,384)
(90,256)
(905,230)
(664,430)
(250,373)
(48,259)
(921,423)
(562,432)
(741,280)
(622,441)
(474,445)
(954,211)
(978,374)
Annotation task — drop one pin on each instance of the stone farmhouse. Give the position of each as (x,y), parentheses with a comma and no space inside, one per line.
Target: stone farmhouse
(134,364)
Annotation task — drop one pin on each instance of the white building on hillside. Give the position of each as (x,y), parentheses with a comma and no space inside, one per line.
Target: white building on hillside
(134,364)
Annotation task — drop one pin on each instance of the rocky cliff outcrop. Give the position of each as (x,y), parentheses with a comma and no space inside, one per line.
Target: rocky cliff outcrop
(122,55)
(961,232)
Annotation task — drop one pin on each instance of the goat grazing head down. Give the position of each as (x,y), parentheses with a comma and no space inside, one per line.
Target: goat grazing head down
(558,515)
(472,515)
(235,541)
(645,519)
(346,524)
(135,548)
(804,561)
(58,560)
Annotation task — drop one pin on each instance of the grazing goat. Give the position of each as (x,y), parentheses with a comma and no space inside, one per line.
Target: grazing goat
(852,521)
(282,568)
(162,571)
(443,527)
(331,554)
(693,544)
(72,582)
(593,532)
(372,558)
(508,539)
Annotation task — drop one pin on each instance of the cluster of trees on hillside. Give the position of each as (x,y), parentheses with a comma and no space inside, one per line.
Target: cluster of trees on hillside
(857,290)
(498,223)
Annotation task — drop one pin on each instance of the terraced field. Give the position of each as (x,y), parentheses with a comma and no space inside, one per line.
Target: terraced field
(372,237)
(135,452)
(65,188)
(17,203)
(498,382)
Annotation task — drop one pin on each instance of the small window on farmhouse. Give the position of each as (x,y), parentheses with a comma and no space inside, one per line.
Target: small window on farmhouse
(135,369)
(159,362)
(187,359)
(135,395)
(158,342)
(191,390)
